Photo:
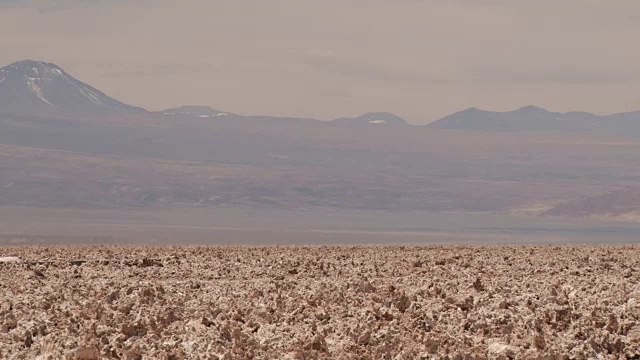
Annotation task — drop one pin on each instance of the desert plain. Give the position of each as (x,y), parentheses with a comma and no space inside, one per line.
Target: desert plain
(320,302)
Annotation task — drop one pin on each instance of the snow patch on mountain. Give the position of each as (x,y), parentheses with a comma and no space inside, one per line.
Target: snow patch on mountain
(38,87)
(195,111)
(35,89)
(376,119)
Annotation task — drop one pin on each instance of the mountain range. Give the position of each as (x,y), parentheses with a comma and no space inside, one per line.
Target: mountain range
(37,87)
(532,118)
(64,143)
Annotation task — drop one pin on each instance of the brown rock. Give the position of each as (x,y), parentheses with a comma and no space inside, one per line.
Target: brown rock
(539,342)
(364,338)
(402,303)
(28,339)
(87,353)
(133,355)
(366,287)
(8,326)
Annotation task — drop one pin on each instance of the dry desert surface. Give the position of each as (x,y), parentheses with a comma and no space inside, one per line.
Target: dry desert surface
(393,302)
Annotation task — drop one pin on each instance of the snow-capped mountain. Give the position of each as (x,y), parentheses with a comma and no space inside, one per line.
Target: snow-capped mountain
(34,87)
(197,111)
(377,118)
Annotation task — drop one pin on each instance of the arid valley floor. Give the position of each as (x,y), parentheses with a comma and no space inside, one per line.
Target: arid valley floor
(387,302)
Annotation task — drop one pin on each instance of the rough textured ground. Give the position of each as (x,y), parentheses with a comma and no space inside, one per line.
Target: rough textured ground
(320,302)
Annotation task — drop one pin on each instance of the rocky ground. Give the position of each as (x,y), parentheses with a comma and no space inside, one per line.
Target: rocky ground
(501,302)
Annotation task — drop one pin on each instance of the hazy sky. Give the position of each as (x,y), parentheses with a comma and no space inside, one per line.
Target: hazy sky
(328,58)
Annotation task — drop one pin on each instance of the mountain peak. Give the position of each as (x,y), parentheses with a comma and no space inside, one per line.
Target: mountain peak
(31,70)
(195,110)
(527,118)
(32,63)
(472,110)
(373,118)
(31,86)
(531,109)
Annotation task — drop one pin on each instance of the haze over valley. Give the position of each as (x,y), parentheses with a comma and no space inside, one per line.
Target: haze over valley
(67,145)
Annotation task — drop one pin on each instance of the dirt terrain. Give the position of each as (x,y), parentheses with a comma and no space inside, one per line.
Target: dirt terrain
(622,204)
(393,302)
(149,161)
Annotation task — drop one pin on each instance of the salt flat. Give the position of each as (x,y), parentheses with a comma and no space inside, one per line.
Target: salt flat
(386,302)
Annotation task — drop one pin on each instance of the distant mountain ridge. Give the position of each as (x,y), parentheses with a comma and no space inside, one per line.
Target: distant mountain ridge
(623,204)
(56,152)
(37,87)
(198,111)
(375,118)
(31,87)
(532,118)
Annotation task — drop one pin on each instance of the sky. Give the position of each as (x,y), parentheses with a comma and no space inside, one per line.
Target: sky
(420,59)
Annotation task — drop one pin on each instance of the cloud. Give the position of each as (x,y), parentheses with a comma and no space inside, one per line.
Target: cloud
(329,61)
(553,75)
(14,3)
(331,57)
(54,5)
(150,70)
